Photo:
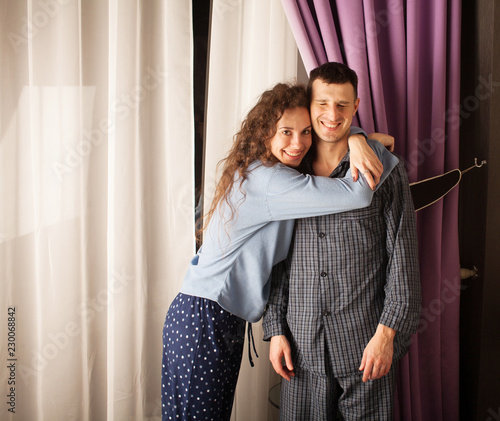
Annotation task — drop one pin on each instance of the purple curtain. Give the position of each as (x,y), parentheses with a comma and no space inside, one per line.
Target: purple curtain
(407,57)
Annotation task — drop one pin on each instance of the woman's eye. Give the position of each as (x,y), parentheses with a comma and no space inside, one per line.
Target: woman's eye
(286,132)
(307,131)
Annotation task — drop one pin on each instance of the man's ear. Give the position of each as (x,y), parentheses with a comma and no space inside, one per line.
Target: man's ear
(356,105)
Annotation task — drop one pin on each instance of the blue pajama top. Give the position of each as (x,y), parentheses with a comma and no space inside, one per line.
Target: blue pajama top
(234,263)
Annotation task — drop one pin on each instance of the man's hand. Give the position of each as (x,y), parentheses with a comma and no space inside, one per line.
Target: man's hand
(280,347)
(377,357)
(365,160)
(386,140)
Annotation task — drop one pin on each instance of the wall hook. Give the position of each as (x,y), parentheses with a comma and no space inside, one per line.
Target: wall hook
(483,162)
(469,273)
(476,165)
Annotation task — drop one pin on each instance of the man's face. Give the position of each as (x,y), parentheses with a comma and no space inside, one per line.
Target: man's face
(332,108)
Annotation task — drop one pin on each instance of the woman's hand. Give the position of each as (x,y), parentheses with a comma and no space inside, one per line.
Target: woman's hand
(386,140)
(365,160)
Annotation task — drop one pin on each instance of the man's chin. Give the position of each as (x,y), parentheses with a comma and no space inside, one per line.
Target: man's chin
(332,137)
(332,140)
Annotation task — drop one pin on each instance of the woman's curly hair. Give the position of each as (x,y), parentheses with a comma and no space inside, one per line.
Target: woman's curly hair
(252,142)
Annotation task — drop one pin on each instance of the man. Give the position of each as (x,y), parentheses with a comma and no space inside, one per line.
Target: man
(344,303)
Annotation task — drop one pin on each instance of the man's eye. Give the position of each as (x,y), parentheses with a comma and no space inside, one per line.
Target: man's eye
(307,131)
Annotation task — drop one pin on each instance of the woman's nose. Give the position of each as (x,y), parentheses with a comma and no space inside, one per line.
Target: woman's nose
(296,139)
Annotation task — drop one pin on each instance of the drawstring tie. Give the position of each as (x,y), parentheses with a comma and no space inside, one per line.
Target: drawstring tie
(251,340)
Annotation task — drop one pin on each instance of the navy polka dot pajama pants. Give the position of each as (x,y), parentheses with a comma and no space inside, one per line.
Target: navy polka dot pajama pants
(202,349)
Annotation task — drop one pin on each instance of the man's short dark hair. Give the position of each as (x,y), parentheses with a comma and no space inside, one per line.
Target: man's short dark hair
(333,72)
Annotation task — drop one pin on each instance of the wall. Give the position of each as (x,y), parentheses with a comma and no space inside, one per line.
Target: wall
(480,211)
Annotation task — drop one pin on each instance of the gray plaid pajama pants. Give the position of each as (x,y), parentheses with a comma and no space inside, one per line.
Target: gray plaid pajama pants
(311,397)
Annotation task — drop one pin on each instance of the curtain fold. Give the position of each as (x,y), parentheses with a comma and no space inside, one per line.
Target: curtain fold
(96,200)
(251,49)
(407,57)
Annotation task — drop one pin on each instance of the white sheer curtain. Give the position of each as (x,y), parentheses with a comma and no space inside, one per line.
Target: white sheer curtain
(251,49)
(96,202)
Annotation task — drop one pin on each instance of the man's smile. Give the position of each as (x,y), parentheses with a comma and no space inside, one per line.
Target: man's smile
(330,125)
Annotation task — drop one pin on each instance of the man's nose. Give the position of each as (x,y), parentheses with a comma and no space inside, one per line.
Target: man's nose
(332,113)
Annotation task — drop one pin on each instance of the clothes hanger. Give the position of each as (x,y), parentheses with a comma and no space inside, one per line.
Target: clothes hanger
(429,191)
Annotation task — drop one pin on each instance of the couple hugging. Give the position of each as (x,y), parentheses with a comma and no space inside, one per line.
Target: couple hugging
(312,227)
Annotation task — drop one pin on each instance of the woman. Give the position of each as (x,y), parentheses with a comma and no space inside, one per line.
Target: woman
(248,230)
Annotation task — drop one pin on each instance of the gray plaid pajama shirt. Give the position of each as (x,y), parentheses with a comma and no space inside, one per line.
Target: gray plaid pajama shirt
(345,274)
